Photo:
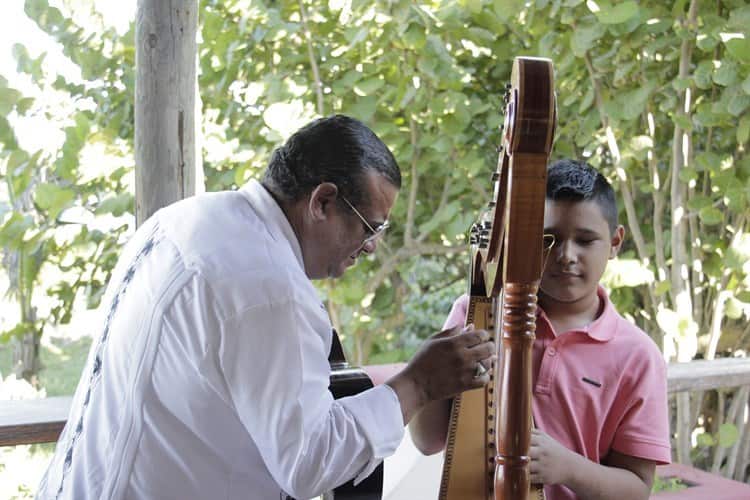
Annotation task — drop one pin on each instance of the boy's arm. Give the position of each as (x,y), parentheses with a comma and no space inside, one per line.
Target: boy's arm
(621,476)
(624,476)
(429,428)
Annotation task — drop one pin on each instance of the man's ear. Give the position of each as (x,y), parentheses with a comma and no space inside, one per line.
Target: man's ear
(616,242)
(321,200)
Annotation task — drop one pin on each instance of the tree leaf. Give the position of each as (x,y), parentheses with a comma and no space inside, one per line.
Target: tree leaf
(703,75)
(364,108)
(733,308)
(507,9)
(738,104)
(683,121)
(706,42)
(743,130)
(8,99)
(369,86)
(706,440)
(699,202)
(14,229)
(726,75)
(735,199)
(739,48)
(53,198)
(584,37)
(710,216)
(116,205)
(727,435)
(414,37)
(739,18)
(619,13)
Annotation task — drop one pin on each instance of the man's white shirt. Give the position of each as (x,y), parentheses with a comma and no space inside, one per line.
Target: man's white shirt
(208,377)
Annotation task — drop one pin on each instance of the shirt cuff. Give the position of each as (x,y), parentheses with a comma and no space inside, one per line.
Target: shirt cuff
(379,416)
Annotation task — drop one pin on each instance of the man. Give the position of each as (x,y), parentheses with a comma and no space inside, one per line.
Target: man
(209,378)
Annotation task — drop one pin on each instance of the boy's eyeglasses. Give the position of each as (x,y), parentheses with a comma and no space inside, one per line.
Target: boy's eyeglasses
(373,232)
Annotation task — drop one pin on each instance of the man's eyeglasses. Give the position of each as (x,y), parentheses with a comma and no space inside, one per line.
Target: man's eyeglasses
(373,232)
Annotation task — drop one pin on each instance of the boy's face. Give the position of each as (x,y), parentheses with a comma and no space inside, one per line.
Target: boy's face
(583,245)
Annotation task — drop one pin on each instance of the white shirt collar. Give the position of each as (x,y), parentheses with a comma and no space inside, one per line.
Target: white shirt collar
(271,213)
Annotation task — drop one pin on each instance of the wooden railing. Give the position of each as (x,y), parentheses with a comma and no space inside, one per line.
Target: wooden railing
(31,421)
(42,420)
(730,378)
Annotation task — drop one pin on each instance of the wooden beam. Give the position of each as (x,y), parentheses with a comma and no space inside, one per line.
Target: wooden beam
(703,375)
(167,162)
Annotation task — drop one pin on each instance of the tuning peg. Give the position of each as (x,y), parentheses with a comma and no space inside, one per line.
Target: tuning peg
(495,176)
(508,86)
(499,149)
(491,204)
(487,224)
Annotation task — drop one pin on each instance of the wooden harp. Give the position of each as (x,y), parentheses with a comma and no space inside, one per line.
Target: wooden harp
(487,450)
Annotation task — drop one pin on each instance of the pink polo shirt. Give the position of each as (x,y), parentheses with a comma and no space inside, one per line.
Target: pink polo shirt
(600,388)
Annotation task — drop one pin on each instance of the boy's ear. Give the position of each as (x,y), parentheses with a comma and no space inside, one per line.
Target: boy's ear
(321,199)
(616,242)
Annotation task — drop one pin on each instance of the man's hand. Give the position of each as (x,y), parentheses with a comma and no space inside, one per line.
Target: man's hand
(445,365)
(550,461)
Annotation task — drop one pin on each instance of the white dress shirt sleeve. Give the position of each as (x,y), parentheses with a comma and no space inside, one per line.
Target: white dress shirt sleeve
(275,362)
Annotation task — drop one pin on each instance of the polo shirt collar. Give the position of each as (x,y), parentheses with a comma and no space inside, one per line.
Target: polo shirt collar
(272,215)
(603,328)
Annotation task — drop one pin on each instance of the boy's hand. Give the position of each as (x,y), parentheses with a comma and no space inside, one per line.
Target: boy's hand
(551,462)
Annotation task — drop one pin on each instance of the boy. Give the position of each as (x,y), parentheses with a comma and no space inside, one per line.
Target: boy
(599,382)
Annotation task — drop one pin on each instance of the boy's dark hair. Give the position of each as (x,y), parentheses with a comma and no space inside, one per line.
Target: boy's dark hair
(336,149)
(573,180)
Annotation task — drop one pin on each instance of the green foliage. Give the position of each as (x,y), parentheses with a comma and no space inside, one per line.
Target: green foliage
(667,484)
(53,198)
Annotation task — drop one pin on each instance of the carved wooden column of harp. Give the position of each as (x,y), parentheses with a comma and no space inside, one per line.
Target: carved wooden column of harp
(487,450)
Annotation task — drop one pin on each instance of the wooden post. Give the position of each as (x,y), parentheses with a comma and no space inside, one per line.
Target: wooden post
(167,158)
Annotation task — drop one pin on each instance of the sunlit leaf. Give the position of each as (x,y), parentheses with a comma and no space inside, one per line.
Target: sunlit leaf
(618,13)
(627,273)
(705,439)
(53,198)
(727,435)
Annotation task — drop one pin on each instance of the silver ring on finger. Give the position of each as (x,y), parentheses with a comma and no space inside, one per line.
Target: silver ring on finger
(480,370)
